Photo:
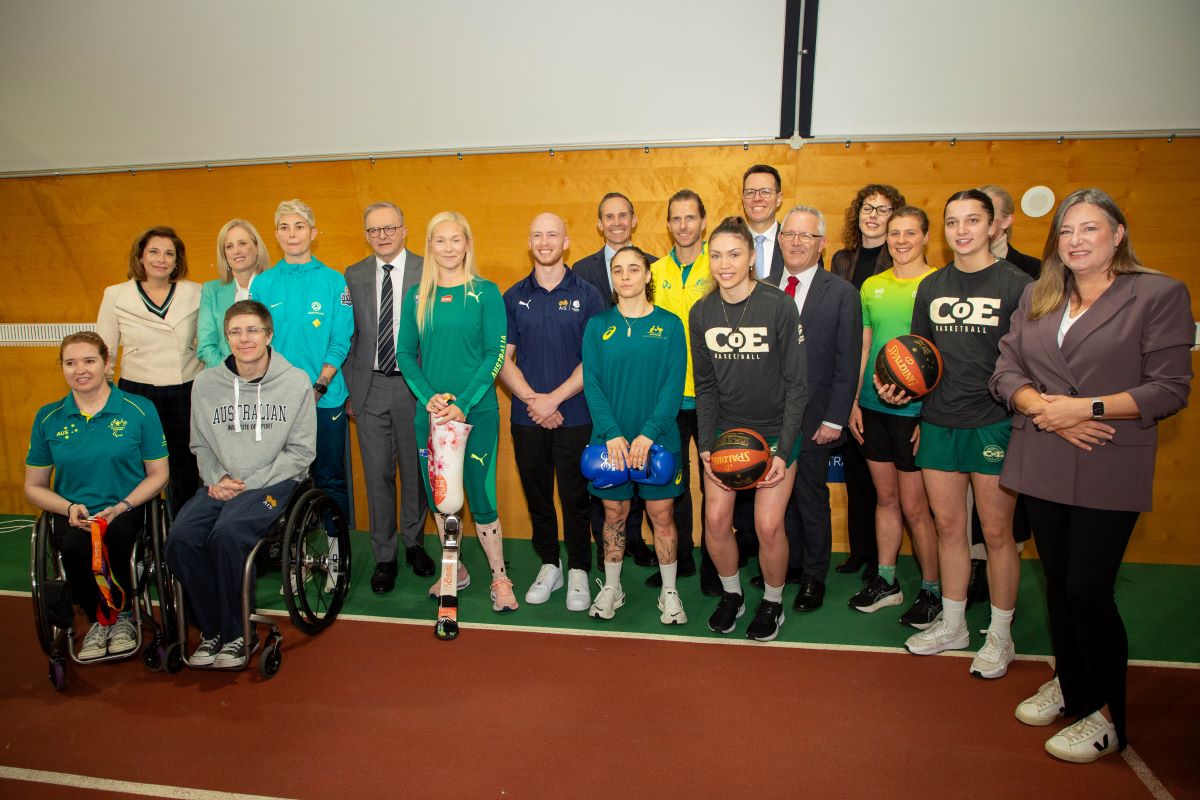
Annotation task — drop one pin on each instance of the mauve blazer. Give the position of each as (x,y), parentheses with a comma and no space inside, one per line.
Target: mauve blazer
(1135,338)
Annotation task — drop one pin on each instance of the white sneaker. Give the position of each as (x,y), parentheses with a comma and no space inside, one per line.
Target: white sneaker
(95,643)
(607,601)
(938,637)
(1044,707)
(549,579)
(1085,741)
(993,658)
(579,597)
(122,636)
(671,607)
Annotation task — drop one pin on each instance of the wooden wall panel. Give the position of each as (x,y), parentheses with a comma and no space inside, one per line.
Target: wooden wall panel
(62,240)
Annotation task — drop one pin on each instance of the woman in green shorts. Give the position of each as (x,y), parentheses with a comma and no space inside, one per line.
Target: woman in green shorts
(454,321)
(964,309)
(634,363)
(889,433)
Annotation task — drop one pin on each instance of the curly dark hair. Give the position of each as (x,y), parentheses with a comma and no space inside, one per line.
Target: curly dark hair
(645,259)
(851,235)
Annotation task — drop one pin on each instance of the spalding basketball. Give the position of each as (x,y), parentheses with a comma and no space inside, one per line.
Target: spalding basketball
(739,458)
(911,363)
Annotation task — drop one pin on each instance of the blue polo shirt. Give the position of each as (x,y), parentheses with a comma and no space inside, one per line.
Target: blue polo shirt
(97,461)
(546,328)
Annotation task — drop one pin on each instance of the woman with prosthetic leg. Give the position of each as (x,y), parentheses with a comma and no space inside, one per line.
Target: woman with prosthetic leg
(454,321)
(634,362)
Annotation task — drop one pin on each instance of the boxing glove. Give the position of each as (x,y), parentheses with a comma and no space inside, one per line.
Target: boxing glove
(596,467)
(659,469)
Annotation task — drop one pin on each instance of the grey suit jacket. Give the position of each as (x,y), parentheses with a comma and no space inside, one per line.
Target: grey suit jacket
(832,322)
(1135,338)
(364,295)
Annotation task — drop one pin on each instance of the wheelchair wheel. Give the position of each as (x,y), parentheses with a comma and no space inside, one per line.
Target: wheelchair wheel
(272,657)
(316,566)
(43,567)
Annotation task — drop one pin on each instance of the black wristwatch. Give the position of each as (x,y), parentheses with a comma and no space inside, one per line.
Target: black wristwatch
(320,388)
(1097,408)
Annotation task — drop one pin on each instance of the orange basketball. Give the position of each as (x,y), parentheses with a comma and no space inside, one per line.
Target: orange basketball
(910,362)
(739,458)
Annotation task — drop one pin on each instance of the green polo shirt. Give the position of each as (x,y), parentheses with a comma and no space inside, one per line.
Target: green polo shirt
(97,461)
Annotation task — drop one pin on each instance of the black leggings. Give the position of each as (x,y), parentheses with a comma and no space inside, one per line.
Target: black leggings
(75,545)
(174,407)
(1081,550)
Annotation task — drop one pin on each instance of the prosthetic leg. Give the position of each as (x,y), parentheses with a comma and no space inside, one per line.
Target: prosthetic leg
(447,450)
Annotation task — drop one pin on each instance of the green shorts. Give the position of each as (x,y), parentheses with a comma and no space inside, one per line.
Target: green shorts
(646,491)
(773,444)
(964,449)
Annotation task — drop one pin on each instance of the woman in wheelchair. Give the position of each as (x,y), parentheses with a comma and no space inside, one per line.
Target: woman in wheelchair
(254,434)
(97,453)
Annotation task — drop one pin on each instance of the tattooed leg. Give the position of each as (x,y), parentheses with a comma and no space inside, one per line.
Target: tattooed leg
(666,539)
(615,513)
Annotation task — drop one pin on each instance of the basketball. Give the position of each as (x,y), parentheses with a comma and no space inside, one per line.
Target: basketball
(739,458)
(911,363)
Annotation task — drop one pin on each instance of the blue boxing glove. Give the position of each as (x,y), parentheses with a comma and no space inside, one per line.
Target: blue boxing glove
(596,467)
(660,467)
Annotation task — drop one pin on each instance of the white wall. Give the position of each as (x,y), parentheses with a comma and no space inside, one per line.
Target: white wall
(122,82)
(1006,66)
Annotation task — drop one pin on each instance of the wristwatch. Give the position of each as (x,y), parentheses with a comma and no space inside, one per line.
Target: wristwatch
(320,388)
(1097,408)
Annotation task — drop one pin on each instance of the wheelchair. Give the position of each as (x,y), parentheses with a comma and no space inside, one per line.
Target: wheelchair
(314,569)
(54,611)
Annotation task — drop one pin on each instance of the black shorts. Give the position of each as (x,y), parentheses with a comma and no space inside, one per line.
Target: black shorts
(888,438)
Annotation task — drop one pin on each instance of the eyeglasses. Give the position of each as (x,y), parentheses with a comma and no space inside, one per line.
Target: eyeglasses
(868,209)
(252,332)
(765,194)
(791,236)
(386,230)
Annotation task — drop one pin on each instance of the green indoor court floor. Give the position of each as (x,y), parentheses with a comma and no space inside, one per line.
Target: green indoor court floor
(1156,602)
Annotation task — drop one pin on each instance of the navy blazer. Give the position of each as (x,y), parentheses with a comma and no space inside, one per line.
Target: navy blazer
(1135,338)
(832,324)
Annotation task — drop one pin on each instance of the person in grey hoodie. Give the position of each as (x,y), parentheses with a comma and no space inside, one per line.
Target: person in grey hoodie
(254,435)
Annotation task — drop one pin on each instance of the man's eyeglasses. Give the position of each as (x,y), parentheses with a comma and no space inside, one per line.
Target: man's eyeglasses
(791,236)
(386,230)
(765,194)
(252,332)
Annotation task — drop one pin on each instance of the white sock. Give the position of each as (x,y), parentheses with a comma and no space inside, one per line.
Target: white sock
(772,593)
(668,572)
(732,584)
(1001,624)
(612,574)
(954,612)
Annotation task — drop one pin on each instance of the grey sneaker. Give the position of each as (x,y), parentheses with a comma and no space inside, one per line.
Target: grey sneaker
(122,636)
(233,655)
(95,643)
(206,653)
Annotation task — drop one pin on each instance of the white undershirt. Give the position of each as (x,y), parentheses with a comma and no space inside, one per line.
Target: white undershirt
(397,289)
(1067,322)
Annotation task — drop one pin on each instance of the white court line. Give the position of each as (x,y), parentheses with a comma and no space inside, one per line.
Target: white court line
(124,787)
(664,637)
(1146,776)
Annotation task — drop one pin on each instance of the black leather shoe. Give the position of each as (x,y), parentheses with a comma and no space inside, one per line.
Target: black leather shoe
(794,575)
(641,554)
(383,580)
(851,564)
(977,585)
(811,596)
(419,560)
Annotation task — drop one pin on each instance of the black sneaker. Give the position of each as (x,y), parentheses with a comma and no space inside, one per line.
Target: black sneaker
(924,611)
(724,619)
(876,595)
(766,623)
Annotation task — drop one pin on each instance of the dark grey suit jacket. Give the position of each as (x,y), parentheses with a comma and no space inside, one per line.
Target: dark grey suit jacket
(832,322)
(364,294)
(591,269)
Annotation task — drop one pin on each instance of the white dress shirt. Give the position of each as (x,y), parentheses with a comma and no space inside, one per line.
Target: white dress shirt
(397,293)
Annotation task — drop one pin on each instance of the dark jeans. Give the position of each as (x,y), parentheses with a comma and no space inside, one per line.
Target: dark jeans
(541,454)
(207,549)
(1081,550)
(75,545)
(174,407)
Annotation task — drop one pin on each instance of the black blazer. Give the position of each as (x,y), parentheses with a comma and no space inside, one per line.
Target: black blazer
(1028,264)
(832,322)
(591,269)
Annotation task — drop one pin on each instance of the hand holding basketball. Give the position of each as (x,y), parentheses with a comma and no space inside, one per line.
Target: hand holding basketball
(740,458)
(909,362)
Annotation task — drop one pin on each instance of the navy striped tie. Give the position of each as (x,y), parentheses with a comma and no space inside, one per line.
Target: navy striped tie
(386,348)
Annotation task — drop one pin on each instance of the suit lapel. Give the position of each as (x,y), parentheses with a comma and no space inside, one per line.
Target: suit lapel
(812,301)
(1115,297)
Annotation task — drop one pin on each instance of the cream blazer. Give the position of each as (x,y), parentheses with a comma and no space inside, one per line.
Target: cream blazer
(160,352)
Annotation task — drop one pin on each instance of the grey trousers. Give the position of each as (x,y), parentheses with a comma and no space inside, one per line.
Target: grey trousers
(387,442)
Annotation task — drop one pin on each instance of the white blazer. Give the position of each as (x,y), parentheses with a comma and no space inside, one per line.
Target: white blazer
(160,352)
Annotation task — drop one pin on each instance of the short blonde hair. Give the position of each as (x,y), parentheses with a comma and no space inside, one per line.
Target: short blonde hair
(261,263)
(295,206)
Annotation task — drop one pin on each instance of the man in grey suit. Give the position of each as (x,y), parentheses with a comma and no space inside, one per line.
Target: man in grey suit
(616,221)
(380,400)
(831,323)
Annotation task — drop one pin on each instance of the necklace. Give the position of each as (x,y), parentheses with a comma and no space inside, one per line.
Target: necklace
(628,324)
(725,313)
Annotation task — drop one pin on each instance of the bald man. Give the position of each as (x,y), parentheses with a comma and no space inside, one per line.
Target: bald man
(547,312)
